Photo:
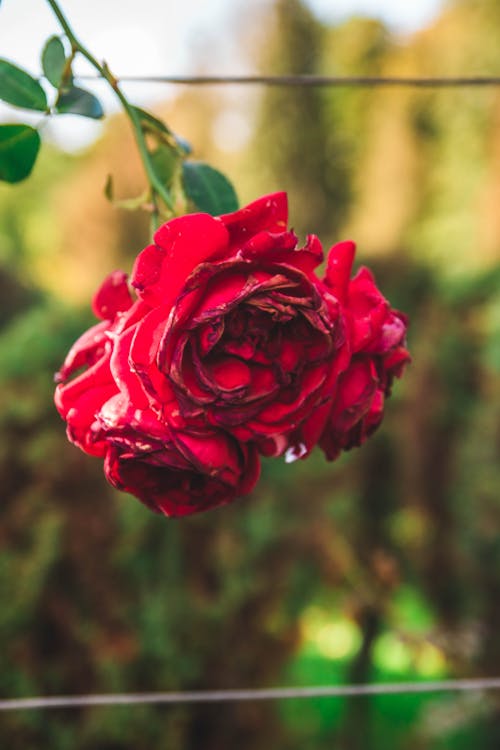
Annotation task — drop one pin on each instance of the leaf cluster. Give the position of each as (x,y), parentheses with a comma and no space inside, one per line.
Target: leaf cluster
(20,143)
(175,184)
(193,183)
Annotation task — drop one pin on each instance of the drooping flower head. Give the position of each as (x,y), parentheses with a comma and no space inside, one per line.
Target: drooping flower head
(232,347)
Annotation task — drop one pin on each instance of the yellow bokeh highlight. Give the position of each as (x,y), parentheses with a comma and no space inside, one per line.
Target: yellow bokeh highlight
(332,638)
(394,653)
(430,661)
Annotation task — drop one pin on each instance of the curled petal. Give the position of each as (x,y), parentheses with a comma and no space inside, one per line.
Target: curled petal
(81,420)
(392,334)
(112,297)
(90,347)
(339,267)
(212,453)
(367,328)
(363,293)
(269,246)
(311,255)
(147,269)
(353,400)
(269,214)
(125,379)
(96,376)
(181,244)
(394,362)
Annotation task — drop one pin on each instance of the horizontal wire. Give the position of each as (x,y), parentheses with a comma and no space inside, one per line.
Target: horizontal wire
(258,694)
(312,80)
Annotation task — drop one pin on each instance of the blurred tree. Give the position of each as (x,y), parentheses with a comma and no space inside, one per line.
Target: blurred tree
(297,147)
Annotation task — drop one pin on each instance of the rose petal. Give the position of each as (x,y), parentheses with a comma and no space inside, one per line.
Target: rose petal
(86,350)
(95,377)
(363,293)
(223,292)
(366,329)
(147,268)
(250,476)
(231,374)
(339,266)
(392,334)
(269,213)
(144,353)
(395,361)
(302,443)
(271,247)
(82,415)
(310,256)
(125,379)
(112,297)
(181,245)
(211,452)
(356,390)
(278,411)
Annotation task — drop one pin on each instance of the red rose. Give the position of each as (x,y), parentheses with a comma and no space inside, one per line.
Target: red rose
(239,328)
(234,347)
(377,336)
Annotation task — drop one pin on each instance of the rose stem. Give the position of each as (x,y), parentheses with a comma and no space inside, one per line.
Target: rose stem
(157,188)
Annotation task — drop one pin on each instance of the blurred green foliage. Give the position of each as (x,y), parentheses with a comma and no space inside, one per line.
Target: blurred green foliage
(383,566)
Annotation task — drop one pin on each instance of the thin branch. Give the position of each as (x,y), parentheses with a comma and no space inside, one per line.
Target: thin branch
(104,72)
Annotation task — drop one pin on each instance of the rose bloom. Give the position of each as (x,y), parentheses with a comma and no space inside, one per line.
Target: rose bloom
(377,341)
(233,347)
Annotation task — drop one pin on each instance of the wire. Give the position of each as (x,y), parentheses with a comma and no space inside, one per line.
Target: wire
(259,694)
(313,80)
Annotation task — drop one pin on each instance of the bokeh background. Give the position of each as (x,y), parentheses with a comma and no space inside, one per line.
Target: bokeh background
(382,566)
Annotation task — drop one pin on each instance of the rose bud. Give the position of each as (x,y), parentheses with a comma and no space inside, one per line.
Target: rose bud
(377,339)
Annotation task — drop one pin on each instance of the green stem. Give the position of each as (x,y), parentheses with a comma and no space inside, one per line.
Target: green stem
(103,70)
(155,213)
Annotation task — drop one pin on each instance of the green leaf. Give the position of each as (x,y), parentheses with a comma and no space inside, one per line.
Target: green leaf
(19,146)
(150,123)
(77,101)
(54,61)
(17,87)
(164,161)
(208,189)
